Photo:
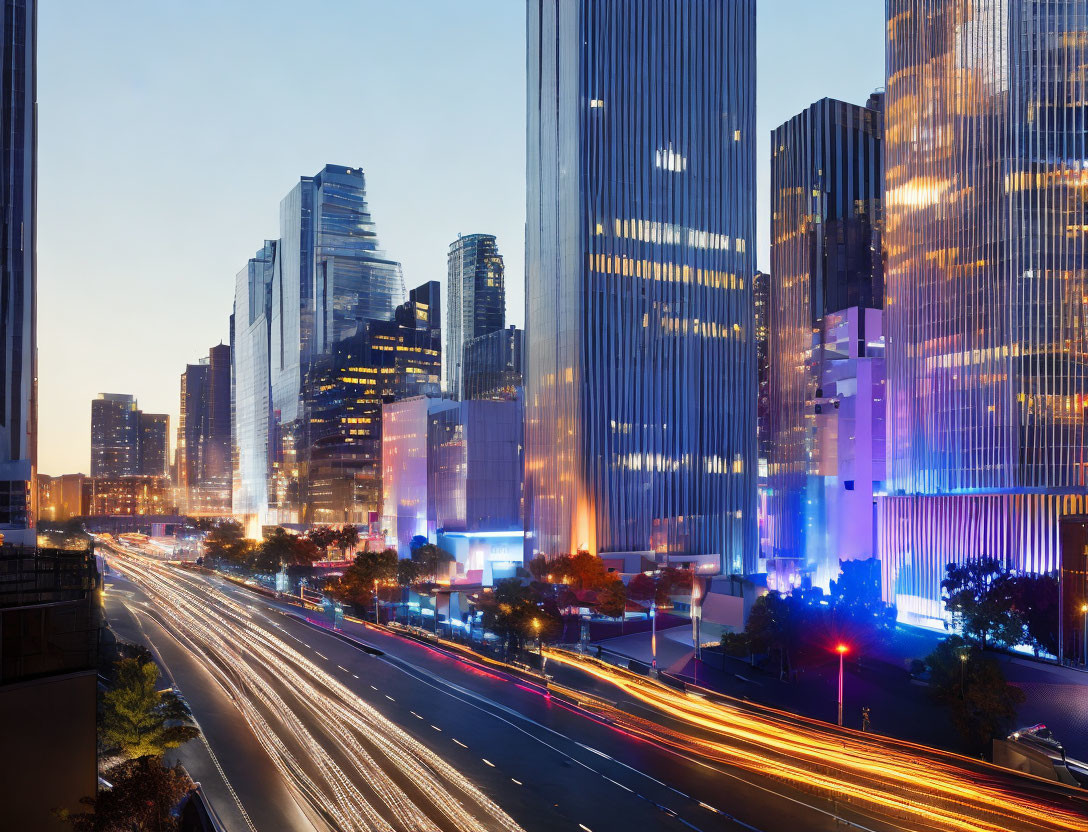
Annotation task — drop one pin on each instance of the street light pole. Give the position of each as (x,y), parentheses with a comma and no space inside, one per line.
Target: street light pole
(653,635)
(842,650)
(1084,641)
(376,621)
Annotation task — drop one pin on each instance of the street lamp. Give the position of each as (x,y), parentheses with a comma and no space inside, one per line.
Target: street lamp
(653,635)
(963,664)
(539,645)
(842,650)
(1084,641)
(376,621)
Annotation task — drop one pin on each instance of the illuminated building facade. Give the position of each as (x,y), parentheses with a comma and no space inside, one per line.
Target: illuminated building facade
(987,281)
(476,302)
(112,496)
(115,435)
(203,443)
(826,189)
(761,303)
(18,280)
(154,444)
(493,365)
(251,391)
(640,378)
(388,360)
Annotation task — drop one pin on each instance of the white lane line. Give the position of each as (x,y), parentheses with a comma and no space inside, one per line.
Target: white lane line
(326,658)
(373,688)
(460,743)
(512,780)
(343,668)
(438,729)
(354,675)
(390,698)
(617,783)
(583,826)
(488,762)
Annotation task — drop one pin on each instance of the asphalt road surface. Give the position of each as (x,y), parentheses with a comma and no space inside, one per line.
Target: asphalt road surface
(288,709)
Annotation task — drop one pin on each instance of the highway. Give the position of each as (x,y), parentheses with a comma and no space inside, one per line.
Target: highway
(385,733)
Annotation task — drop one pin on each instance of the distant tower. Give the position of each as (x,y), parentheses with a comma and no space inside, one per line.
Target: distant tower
(18,284)
(476,302)
(115,436)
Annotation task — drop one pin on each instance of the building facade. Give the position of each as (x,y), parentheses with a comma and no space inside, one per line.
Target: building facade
(476,302)
(493,365)
(18,279)
(640,379)
(986,285)
(340,460)
(826,257)
(115,435)
(153,453)
(203,477)
(251,392)
(117,496)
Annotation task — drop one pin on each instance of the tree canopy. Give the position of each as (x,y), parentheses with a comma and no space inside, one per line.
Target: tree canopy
(979,597)
(140,721)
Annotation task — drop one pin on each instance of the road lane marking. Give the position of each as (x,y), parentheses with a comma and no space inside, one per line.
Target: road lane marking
(326,658)
(343,668)
(373,688)
(488,762)
(417,716)
(438,729)
(390,698)
(583,826)
(460,743)
(512,780)
(354,675)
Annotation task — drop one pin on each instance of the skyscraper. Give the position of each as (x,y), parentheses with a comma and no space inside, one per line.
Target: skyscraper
(251,390)
(826,257)
(203,445)
(154,444)
(987,280)
(476,302)
(640,381)
(340,459)
(493,366)
(18,282)
(115,436)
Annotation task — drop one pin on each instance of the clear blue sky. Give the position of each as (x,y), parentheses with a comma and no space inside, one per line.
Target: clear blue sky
(169,131)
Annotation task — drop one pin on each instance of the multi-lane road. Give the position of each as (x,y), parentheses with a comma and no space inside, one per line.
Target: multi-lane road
(308,729)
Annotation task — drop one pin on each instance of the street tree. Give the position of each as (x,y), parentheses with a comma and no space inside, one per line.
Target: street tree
(226,543)
(142,796)
(1035,600)
(612,599)
(347,537)
(979,597)
(972,686)
(140,721)
(432,560)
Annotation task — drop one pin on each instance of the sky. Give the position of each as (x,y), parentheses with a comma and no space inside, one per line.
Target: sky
(168,132)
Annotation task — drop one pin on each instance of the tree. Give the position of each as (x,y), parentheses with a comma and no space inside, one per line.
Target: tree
(979,596)
(858,586)
(774,625)
(408,572)
(1035,601)
(227,543)
(347,537)
(971,685)
(540,569)
(508,611)
(142,797)
(357,583)
(612,599)
(280,549)
(138,720)
(586,571)
(432,560)
(673,581)
(322,536)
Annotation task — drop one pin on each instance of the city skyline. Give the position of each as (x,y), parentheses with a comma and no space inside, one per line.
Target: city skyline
(472,181)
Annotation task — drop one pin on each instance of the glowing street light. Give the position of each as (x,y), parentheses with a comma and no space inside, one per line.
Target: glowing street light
(1084,641)
(842,650)
(653,635)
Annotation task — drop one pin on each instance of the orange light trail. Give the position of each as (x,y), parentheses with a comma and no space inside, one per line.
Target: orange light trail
(897,781)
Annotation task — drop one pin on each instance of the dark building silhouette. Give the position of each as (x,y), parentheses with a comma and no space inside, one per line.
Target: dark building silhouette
(493,365)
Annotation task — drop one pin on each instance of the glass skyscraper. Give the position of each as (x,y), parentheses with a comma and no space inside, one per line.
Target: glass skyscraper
(827,179)
(640,379)
(476,300)
(251,391)
(493,365)
(154,450)
(987,286)
(115,436)
(18,283)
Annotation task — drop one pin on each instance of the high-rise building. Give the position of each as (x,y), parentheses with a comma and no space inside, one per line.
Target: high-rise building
(640,380)
(153,452)
(203,444)
(987,275)
(18,281)
(826,257)
(476,302)
(493,366)
(761,305)
(251,392)
(115,436)
(329,278)
(341,454)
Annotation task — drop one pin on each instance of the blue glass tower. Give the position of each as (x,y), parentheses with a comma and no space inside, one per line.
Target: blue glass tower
(640,378)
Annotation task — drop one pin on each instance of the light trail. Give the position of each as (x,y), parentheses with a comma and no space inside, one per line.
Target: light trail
(892,780)
(351,764)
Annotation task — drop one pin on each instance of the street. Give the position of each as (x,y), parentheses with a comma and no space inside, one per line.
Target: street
(406,736)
